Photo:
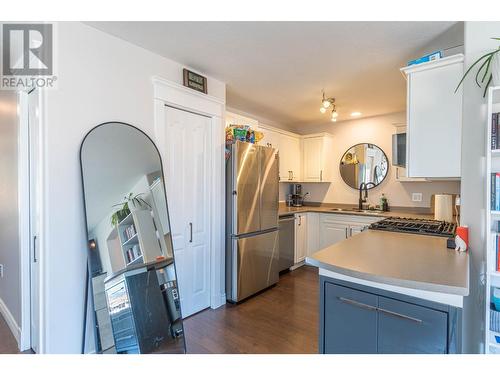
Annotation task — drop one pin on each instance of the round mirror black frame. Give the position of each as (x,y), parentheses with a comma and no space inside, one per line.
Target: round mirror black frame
(88,285)
(359,144)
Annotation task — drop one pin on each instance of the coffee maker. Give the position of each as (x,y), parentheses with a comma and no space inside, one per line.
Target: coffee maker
(295,196)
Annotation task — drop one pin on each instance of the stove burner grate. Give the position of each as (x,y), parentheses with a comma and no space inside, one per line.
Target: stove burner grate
(417,226)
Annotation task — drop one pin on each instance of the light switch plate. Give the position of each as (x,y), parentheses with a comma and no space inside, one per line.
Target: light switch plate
(416,197)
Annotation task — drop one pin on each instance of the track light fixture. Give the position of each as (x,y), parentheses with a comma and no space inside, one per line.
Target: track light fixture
(327,103)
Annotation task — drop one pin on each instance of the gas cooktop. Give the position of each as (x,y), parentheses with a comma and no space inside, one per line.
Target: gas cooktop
(417,226)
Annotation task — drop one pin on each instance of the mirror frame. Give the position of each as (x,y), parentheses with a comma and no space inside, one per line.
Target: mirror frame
(358,144)
(88,284)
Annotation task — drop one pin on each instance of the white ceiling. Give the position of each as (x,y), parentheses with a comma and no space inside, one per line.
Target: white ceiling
(276,70)
(114,158)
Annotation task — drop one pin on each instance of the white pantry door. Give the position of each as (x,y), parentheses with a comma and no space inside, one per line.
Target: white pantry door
(187,182)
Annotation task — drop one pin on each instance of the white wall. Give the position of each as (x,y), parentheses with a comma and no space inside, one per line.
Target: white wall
(377,130)
(261,120)
(100,78)
(450,42)
(10,284)
(477,42)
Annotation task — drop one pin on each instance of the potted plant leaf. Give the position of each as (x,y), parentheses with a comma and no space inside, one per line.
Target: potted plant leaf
(488,71)
(130,202)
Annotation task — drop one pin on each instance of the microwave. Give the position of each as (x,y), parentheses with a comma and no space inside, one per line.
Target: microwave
(399,150)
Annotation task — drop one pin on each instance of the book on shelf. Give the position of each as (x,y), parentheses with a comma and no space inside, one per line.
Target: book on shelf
(129,232)
(130,255)
(497,262)
(495,131)
(496,248)
(495,192)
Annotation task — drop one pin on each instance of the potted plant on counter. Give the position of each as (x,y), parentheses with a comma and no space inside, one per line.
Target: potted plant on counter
(130,203)
(488,71)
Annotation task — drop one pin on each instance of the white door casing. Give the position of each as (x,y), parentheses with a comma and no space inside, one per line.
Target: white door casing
(182,98)
(35,180)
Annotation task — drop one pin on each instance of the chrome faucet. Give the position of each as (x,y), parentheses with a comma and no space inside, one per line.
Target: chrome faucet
(364,186)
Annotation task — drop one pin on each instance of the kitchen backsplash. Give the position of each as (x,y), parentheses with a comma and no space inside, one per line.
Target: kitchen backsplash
(398,194)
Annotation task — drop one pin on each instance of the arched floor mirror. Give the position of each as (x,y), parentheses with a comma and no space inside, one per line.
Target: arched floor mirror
(131,264)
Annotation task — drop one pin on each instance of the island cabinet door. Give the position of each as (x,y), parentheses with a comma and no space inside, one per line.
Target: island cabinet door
(411,329)
(350,321)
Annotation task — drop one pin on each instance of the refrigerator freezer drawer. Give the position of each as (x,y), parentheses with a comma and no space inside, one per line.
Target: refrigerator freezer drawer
(252,265)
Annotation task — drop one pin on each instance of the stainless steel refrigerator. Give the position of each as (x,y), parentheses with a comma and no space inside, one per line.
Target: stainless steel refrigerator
(252,248)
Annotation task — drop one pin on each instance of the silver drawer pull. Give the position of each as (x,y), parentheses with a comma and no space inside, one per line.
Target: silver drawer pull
(402,316)
(357,304)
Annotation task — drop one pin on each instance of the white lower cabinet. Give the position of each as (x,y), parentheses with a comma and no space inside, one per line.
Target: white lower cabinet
(334,228)
(300,237)
(312,233)
(356,229)
(331,233)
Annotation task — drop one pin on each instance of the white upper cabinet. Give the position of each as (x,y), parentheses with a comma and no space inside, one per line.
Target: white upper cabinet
(290,166)
(305,158)
(434,118)
(317,159)
(288,145)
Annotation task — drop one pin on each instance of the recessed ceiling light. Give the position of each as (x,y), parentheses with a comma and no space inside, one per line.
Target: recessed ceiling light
(355,114)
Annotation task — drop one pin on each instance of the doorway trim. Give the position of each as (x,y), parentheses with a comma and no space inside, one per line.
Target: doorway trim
(177,96)
(24,340)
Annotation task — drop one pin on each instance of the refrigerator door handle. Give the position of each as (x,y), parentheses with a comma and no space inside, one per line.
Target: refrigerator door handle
(190,232)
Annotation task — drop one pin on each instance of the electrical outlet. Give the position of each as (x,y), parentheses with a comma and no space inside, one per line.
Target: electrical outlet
(1,271)
(416,197)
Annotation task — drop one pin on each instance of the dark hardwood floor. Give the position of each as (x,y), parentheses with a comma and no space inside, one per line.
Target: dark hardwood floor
(8,344)
(280,320)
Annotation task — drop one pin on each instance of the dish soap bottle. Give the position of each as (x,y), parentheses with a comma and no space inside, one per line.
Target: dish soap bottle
(384,206)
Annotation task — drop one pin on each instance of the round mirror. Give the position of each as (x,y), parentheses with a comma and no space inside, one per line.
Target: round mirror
(364,163)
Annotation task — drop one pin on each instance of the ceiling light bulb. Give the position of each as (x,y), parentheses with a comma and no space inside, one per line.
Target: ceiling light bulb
(334,114)
(326,103)
(334,119)
(322,109)
(354,114)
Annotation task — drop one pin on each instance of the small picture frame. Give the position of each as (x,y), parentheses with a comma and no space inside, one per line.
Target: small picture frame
(195,81)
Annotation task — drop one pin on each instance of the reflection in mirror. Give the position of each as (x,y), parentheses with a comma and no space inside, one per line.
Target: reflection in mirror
(136,304)
(363,162)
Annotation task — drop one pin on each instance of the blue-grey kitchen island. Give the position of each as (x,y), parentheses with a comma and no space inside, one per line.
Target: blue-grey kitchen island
(385,292)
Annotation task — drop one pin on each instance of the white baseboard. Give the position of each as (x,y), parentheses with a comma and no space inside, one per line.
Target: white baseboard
(11,322)
(297,265)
